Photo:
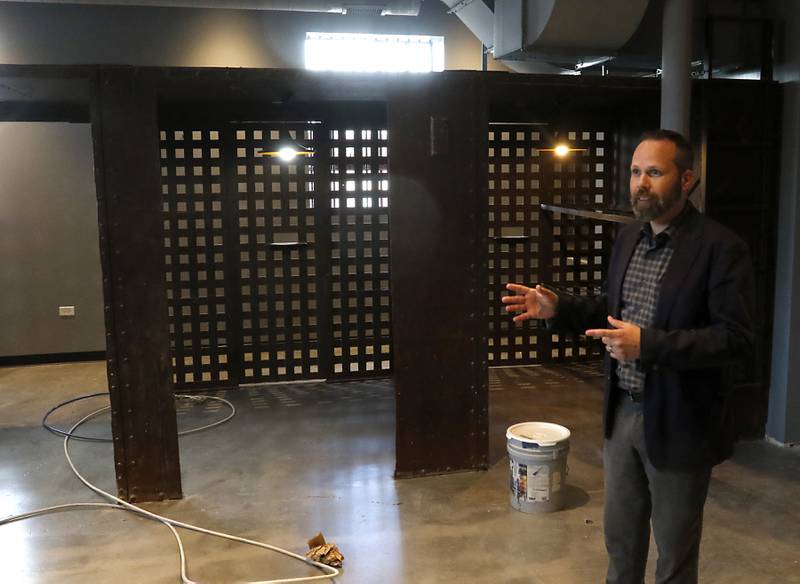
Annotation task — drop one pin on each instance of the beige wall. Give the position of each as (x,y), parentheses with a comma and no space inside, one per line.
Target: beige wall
(35,33)
(49,249)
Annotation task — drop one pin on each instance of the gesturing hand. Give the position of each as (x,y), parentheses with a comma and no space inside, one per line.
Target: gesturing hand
(538,302)
(623,342)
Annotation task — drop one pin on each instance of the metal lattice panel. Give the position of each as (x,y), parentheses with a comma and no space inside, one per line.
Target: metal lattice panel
(277,236)
(359,201)
(271,277)
(528,245)
(193,239)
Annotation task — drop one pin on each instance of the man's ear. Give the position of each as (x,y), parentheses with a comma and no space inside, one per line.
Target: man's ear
(687,179)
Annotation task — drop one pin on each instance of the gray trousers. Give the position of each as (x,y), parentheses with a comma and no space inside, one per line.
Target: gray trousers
(636,494)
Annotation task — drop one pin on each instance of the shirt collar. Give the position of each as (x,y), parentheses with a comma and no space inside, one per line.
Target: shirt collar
(671,229)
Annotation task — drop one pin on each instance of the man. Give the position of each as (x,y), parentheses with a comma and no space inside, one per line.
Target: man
(675,313)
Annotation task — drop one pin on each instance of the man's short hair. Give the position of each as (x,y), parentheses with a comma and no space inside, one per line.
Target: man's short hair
(684,154)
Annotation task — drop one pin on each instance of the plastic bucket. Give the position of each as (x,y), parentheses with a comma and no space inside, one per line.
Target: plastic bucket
(537,454)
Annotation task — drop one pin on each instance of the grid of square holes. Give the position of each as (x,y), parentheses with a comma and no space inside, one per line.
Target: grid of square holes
(276,268)
(359,200)
(193,238)
(529,246)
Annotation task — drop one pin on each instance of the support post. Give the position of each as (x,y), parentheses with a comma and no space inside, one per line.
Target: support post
(144,428)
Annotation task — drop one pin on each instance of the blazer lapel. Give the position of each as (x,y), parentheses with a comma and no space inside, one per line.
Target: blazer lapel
(618,269)
(685,251)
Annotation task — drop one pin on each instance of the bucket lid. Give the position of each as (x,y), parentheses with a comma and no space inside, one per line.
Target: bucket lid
(541,433)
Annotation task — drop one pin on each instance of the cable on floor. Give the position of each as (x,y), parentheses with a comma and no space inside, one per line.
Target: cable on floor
(199,399)
(171,524)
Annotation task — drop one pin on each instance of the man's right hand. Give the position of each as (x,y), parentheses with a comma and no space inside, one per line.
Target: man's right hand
(538,302)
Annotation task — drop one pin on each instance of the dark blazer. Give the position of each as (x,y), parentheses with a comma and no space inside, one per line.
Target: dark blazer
(703,323)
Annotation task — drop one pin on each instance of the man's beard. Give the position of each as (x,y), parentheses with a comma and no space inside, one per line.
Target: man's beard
(658,206)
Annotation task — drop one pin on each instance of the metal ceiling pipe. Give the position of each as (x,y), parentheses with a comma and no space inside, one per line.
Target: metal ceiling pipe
(384,8)
(479,19)
(676,57)
(476,16)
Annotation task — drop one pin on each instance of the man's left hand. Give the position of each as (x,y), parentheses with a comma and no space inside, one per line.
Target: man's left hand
(623,342)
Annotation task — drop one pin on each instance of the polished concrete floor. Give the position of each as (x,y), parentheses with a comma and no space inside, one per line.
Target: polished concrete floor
(299,459)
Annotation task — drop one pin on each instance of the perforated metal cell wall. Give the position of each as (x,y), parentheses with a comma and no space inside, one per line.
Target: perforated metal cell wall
(529,245)
(192,199)
(277,249)
(277,270)
(359,201)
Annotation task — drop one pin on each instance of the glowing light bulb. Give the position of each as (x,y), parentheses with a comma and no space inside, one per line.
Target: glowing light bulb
(561,150)
(287,154)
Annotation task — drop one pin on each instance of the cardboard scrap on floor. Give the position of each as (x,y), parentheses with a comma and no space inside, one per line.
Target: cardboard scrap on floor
(325,553)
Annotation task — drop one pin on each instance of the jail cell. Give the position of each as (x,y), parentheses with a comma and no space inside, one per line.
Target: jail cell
(359,202)
(530,245)
(277,249)
(277,269)
(192,203)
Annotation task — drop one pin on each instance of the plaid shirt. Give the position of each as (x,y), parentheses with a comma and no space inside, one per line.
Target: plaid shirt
(640,290)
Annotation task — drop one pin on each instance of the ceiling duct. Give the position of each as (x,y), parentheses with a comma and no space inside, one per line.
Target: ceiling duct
(371,7)
(564,31)
(545,36)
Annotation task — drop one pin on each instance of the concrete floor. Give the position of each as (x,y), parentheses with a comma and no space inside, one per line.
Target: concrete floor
(301,459)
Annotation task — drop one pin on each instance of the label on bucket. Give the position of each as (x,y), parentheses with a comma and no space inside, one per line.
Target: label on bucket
(530,483)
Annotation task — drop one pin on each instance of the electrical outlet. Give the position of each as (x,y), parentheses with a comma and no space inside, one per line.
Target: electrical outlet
(66,311)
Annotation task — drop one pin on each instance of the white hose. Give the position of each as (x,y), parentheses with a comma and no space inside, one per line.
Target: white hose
(330,572)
